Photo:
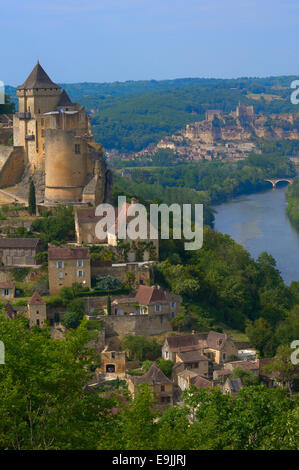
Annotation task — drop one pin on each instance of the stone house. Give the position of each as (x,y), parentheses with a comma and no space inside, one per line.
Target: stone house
(113,362)
(7,290)
(162,387)
(175,344)
(190,377)
(191,360)
(19,251)
(148,301)
(244,365)
(219,347)
(232,386)
(68,265)
(36,311)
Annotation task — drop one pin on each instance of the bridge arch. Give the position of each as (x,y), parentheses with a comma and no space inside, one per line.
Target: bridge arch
(275,181)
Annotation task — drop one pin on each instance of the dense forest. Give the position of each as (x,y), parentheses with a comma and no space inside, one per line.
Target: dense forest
(292,196)
(206,182)
(129,116)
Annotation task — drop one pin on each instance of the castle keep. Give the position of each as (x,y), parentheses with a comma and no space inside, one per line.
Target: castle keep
(53,143)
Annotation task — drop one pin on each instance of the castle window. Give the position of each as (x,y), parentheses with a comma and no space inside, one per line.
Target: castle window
(77,149)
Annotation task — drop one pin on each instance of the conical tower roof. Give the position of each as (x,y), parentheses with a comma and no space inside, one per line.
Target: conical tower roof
(38,79)
(64,99)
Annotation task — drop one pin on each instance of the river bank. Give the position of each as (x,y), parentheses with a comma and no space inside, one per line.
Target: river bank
(260,223)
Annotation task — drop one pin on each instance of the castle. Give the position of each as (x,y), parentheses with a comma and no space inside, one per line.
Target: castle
(54,145)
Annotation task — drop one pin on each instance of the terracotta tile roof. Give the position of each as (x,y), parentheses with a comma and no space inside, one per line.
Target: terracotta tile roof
(182,343)
(216,340)
(221,373)
(154,375)
(192,356)
(147,295)
(6,285)
(199,382)
(36,299)
(19,242)
(68,253)
(38,79)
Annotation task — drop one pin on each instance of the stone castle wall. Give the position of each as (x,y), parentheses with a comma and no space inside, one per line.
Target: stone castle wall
(143,325)
(12,160)
(65,169)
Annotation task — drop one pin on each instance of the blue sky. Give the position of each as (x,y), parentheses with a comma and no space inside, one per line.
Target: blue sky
(118,40)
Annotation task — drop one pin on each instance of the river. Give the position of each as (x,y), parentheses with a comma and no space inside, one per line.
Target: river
(259,222)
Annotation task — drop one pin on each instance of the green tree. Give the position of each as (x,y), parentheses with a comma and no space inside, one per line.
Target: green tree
(247,376)
(43,403)
(165,365)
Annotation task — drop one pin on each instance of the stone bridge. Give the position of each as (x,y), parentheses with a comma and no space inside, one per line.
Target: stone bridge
(274,181)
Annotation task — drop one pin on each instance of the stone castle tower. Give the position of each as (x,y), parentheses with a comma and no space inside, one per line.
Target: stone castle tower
(56,139)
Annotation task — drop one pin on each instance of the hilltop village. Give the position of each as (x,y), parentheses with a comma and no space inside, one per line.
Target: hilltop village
(223,136)
(111,283)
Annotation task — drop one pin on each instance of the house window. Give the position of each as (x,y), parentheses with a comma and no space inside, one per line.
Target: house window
(162,388)
(59,264)
(158,308)
(60,275)
(37,312)
(166,354)
(173,304)
(77,149)
(6,291)
(224,356)
(80,263)
(172,314)
(80,273)
(37,322)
